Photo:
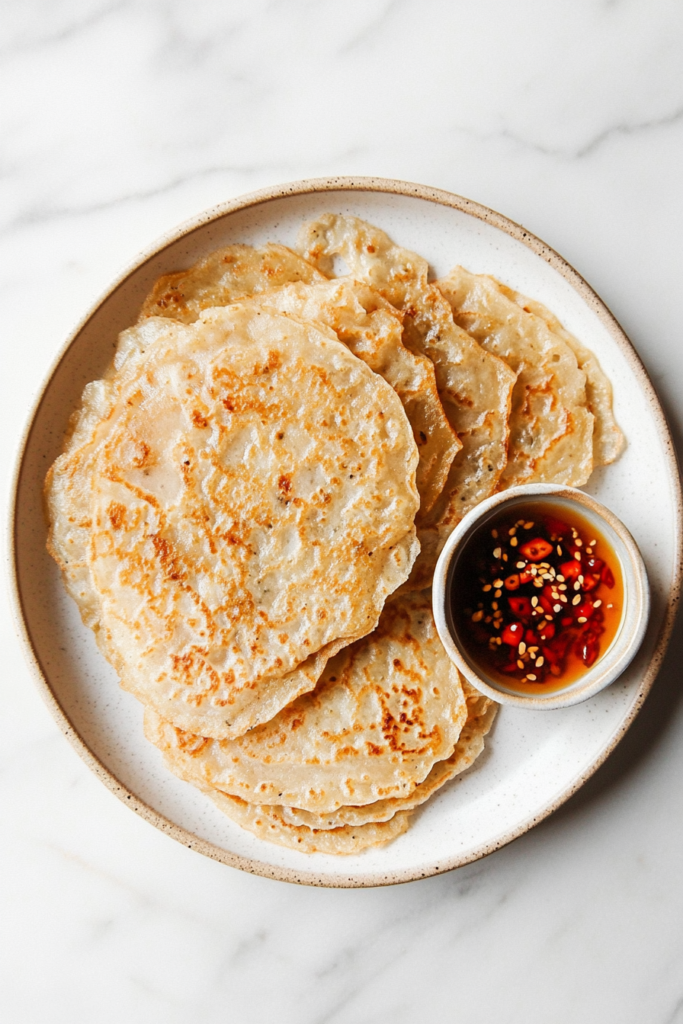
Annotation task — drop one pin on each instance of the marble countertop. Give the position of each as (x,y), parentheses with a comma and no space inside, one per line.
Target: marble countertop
(121,120)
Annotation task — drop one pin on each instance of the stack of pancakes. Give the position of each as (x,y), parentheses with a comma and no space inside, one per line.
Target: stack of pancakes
(251,503)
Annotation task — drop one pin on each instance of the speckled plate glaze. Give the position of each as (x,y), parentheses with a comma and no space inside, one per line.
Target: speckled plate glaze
(533,760)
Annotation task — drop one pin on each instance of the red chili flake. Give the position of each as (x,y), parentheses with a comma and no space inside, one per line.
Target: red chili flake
(546,630)
(570,570)
(590,581)
(512,634)
(511,582)
(587,649)
(536,550)
(607,577)
(521,606)
(584,610)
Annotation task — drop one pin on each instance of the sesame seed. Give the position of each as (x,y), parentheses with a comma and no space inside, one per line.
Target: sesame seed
(513,542)
(531,677)
(610,606)
(520,664)
(538,583)
(577,585)
(578,542)
(494,605)
(577,556)
(497,583)
(486,588)
(596,604)
(549,618)
(582,618)
(494,533)
(520,565)
(528,526)
(560,577)
(497,552)
(497,593)
(540,662)
(562,586)
(580,579)
(577,599)
(478,616)
(522,648)
(593,543)
(559,550)
(534,601)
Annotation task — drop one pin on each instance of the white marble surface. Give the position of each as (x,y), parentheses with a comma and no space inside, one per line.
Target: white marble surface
(122,119)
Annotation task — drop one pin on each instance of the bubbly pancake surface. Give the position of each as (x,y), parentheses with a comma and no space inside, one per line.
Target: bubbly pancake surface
(223,277)
(252,505)
(480,715)
(364,321)
(384,711)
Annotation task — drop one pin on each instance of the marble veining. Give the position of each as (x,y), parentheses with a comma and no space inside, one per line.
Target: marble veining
(123,119)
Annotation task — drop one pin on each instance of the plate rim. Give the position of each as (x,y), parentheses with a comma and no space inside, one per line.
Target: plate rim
(594,302)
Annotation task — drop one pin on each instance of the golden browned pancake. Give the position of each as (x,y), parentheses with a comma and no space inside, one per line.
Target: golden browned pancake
(370,326)
(551,425)
(480,715)
(249,508)
(224,276)
(385,711)
(474,385)
(268,823)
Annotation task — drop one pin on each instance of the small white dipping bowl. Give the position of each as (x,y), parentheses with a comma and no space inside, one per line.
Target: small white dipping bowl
(634,617)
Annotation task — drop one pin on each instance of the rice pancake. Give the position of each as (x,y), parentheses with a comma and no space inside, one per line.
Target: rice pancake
(385,710)
(224,276)
(372,329)
(251,508)
(551,426)
(480,715)
(68,483)
(268,823)
(608,439)
(369,325)
(474,386)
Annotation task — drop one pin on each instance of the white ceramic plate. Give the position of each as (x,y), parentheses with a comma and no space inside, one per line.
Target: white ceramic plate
(533,760)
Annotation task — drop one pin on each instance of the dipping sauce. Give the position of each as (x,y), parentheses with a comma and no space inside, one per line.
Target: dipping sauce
(536,596)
